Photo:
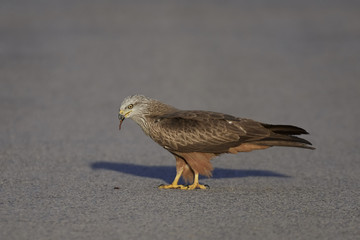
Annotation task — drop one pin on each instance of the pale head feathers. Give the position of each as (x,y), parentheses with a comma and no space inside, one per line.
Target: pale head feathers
(139,107)
(135,105)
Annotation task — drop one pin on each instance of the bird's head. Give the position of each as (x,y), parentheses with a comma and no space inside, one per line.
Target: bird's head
(134,107)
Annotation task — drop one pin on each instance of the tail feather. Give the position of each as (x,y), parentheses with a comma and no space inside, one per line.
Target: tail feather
(283,143)
(283,136)
(285,129)
(286,138)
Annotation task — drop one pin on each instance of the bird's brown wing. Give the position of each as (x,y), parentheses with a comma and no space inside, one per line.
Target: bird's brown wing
(203,131)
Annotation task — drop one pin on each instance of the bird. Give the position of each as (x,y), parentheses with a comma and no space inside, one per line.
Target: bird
(194,137)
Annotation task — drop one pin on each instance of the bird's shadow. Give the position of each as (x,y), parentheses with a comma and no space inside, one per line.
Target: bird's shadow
(167,173)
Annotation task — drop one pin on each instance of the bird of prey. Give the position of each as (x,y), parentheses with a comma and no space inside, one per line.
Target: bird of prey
(195,137)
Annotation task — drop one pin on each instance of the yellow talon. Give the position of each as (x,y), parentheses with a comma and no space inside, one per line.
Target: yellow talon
(195,186)
(173,186)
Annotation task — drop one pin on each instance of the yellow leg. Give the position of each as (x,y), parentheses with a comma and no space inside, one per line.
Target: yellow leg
(174,184)
(196,183)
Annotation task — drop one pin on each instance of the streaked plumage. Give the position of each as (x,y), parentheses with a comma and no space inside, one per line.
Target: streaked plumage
(194,137)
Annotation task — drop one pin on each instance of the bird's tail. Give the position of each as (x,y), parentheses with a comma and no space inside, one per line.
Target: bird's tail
(283,136)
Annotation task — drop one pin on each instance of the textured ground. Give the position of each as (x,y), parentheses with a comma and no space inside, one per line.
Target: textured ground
(65,67)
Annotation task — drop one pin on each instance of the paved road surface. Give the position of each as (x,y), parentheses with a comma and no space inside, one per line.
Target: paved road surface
(65,67)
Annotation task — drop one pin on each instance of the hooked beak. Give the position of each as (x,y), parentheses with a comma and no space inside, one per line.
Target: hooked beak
(121,118)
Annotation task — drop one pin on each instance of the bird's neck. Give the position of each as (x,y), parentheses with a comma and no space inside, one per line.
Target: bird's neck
(157,108)
(153,110)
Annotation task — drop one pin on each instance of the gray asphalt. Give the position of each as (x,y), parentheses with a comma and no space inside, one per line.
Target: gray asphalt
(65,67)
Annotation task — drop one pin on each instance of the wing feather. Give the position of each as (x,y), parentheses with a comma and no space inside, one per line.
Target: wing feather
(203,131)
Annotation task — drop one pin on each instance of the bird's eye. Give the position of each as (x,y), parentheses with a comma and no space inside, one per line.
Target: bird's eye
(130,106)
